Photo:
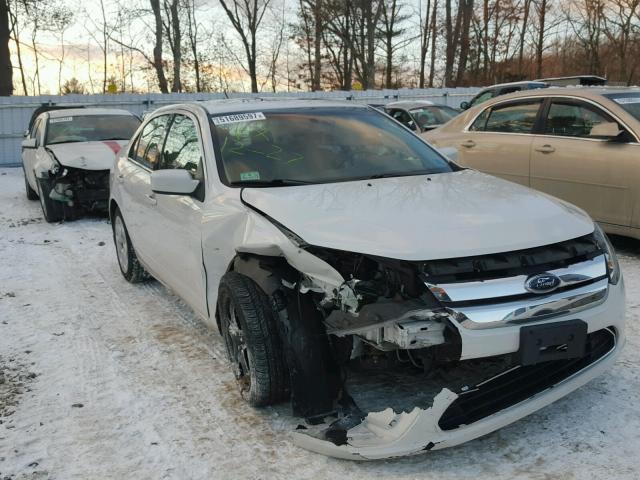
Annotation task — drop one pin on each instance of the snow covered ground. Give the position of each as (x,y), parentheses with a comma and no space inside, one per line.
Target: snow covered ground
(102,379)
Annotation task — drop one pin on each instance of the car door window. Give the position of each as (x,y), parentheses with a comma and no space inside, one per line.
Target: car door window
(37,131)
(483,97)
(512,118)
(149,145)
(402,117)
(508,90)
(572,119)
(182,148)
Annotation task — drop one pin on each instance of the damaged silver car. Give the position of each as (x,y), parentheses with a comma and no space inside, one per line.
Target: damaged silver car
(67,155)
(401,303)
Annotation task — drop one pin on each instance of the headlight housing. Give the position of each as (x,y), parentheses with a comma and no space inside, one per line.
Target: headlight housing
(613,267)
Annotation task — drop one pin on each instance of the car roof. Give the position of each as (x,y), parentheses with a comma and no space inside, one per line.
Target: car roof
(409,104)
(515,84)
(70,112)
(220,107)
(584,92)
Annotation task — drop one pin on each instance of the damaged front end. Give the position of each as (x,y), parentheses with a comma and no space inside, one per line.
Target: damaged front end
(383,363)
(74,189)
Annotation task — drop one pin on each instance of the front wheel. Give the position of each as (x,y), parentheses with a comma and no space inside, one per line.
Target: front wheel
(249,329)
(129,264)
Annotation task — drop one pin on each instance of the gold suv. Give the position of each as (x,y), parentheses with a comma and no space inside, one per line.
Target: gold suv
(579,144)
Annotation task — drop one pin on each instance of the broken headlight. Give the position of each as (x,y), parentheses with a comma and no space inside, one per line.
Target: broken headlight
(613,267)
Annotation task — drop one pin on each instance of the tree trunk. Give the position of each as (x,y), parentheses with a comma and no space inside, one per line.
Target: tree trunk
(424,44)
(6,70)
(523,33)
(434,26)
(177,46)
(317,65)
(541,32)
(158,63)
(467,13)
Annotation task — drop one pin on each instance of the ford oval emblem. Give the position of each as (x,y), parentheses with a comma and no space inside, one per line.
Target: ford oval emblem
(542,283)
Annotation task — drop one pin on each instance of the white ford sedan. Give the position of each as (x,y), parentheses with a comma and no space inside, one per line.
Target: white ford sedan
(399,302)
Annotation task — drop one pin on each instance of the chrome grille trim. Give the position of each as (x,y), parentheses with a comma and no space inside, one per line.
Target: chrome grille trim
(572,276)
(478,317)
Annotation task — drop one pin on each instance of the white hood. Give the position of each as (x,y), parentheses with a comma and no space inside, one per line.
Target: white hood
(88,155)
(413,218)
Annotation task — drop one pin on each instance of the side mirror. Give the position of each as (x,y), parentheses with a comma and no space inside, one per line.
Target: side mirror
(30,143)
(26,133)
(610,130)
(412,126)
(464,105)
(173,182)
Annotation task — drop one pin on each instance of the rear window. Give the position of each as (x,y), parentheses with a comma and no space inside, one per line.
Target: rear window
(508,118)
(317,145)
(436,115)
(630,102)
(90,128)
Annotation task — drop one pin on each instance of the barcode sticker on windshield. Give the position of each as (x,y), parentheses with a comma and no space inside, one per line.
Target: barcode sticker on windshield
(61,119)
(627,100)
(238,117)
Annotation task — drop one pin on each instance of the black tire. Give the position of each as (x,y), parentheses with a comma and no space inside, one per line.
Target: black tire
(53,211)
(131,268)
(31,193)
(250,333)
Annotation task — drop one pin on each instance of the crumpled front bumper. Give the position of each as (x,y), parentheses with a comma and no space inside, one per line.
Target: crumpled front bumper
(387,434)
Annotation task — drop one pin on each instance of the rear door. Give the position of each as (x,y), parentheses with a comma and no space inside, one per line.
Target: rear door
(499,140)
(177,219)
(596,174)
(138,201)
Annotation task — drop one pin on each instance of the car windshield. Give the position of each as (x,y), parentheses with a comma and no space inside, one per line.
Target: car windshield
(90,128)
(628,101)
(318,145)
(429,116)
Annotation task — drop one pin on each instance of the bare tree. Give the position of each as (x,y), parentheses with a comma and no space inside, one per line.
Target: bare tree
(6,70)
(173,33)
(363,42)
(158,62)
(193,28)
(622,33)
(246,17)
(425,36)
(393,34)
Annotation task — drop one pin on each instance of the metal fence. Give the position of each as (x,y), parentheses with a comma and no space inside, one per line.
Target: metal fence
(15,112)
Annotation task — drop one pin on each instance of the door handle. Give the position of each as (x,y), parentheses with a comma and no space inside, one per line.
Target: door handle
(545,149)
(468,144)
(120,178)
(152,198)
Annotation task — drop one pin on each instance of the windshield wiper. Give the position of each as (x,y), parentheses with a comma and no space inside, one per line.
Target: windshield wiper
(113,138)
(399,174)
(278,182)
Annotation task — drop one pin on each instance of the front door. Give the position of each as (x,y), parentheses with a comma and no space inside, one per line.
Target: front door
(138,201)
(177,221)
(596,174)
